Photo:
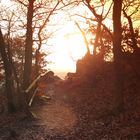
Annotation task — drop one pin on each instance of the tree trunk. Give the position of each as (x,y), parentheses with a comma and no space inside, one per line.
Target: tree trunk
(98,32)
(28,58)
(28,47)
(37,63)
(8,75)
(84,37)
(117,50)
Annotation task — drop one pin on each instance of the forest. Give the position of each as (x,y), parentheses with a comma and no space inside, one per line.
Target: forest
(99,101)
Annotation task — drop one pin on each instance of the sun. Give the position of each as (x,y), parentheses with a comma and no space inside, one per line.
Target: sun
(68,47)
(76,45)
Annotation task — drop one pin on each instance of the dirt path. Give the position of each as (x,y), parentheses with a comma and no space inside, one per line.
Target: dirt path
(74,115)
(57,116)
(70,115)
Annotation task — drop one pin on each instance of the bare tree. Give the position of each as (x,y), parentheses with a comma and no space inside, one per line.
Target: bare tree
(8,74)
(118,56)
(38,15)
(41,29)
(28,46)
(99,18)
(85,39)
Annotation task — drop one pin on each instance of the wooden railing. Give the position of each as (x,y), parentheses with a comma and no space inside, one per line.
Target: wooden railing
(31,87)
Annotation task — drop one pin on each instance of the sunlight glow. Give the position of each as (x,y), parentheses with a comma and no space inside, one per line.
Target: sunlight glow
(68,48)
(76,46)
(6,2)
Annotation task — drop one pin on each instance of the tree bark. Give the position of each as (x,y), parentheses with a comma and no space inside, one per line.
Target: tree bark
(8,75)
(28,47)
(117,50)
(98,32)
(37,63)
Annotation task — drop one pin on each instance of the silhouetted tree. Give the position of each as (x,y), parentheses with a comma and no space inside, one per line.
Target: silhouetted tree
(8,74)
(41,37)
(118,56)
(99,18)
(28,46)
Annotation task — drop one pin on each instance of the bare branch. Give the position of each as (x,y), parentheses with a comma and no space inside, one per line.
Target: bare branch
(21,2)
(104,26)
(108,11)
(84,36)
